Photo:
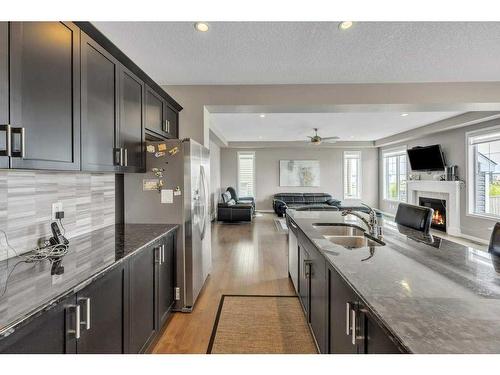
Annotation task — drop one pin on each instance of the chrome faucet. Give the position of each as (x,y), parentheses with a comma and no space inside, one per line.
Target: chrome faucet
(372,224)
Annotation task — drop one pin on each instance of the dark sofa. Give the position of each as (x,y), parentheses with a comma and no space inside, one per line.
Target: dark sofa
(231,211)
(310,202)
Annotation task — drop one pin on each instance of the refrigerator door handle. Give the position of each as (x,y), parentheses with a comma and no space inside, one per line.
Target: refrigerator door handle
(203,204)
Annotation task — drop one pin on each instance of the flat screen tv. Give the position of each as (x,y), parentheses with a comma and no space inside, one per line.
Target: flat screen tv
(428,158)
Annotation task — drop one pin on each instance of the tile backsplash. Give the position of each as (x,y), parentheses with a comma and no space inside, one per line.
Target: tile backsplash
(26,199)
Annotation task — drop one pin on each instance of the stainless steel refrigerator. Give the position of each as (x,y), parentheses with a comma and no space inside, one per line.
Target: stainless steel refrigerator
(175,190)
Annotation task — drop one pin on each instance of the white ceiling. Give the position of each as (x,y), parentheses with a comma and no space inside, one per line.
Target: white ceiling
(249,127)
(311,52)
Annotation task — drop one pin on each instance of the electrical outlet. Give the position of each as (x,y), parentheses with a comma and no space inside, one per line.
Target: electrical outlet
(56,207)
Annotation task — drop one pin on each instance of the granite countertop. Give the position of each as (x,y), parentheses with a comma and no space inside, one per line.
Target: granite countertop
(433,295)
(28,288)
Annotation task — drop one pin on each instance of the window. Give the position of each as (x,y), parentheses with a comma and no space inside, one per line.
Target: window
(246,174)
(352,174)
(395,175)
(484,172)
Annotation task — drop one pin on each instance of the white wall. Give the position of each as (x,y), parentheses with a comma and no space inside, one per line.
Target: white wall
(454,148)
(331,162)
(215,178)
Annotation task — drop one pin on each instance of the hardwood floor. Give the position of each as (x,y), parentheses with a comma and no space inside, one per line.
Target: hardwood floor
(246,259)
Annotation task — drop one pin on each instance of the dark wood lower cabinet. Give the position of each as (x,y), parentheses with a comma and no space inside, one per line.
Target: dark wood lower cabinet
(304,280)
(376,340)
(101,308)
(142,298)
(120,312)
(166,279)
(51,333)
(341,301)
(338,319)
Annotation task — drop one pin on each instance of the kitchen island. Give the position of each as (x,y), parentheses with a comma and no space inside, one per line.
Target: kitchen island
(424,293)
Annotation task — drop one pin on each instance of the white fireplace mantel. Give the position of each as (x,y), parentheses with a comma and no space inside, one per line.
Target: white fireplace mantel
(445,190)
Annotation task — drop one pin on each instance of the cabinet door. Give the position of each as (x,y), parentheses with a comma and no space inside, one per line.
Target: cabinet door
(101,308)
(99,107)
(154,112)
(166,280)
(293,257)
(342,301)
(131,121)
(376,339)
(318,297)
(142,299)
(304,285)
(171,121)
(50,333)
(4,92)
(45,94)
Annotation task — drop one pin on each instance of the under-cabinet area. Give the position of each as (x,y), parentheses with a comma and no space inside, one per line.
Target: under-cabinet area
(112,293)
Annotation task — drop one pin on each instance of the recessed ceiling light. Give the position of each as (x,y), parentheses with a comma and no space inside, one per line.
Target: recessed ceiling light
(201,26)
(262,115)
(344,25)
(404,114)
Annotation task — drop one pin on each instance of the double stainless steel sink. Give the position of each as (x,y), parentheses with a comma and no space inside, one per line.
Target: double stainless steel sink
(348,236)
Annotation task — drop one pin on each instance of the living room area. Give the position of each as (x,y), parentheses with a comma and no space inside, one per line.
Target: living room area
(350,160)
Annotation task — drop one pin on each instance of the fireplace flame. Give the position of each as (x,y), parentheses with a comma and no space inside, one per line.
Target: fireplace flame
(438,218)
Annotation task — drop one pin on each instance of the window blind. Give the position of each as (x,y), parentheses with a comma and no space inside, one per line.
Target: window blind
(246,174)
(352,174)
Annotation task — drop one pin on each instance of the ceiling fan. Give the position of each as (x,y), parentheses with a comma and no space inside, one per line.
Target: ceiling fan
(317,140)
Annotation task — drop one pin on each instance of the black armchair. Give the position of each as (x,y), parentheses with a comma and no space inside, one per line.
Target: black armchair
(415,217)
(241,200)
(494,247)
(230,211)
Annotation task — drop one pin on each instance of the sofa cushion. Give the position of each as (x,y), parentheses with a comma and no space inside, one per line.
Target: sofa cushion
(333,202)
(226,197)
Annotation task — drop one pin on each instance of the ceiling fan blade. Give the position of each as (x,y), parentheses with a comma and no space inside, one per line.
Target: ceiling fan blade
(330,138)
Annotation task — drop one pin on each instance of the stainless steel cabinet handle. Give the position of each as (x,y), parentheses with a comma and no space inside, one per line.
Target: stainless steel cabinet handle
(22,151)
(307,267)
(76,331)
(163,254)
(158,254)
(348,318)
(7,129)
(118,156)
(86,323)
(167,126)
(125,157)
(353,326)
(293,225)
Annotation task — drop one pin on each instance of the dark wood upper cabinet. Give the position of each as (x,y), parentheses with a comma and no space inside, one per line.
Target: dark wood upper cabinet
(101,305)
(45,95)
(142,299)
(131,134)
(171,122)
(4,92)
(51,333)
(161,118)
(154,112)
(99,108)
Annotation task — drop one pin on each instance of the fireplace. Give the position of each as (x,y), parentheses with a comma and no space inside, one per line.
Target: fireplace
(439,207)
